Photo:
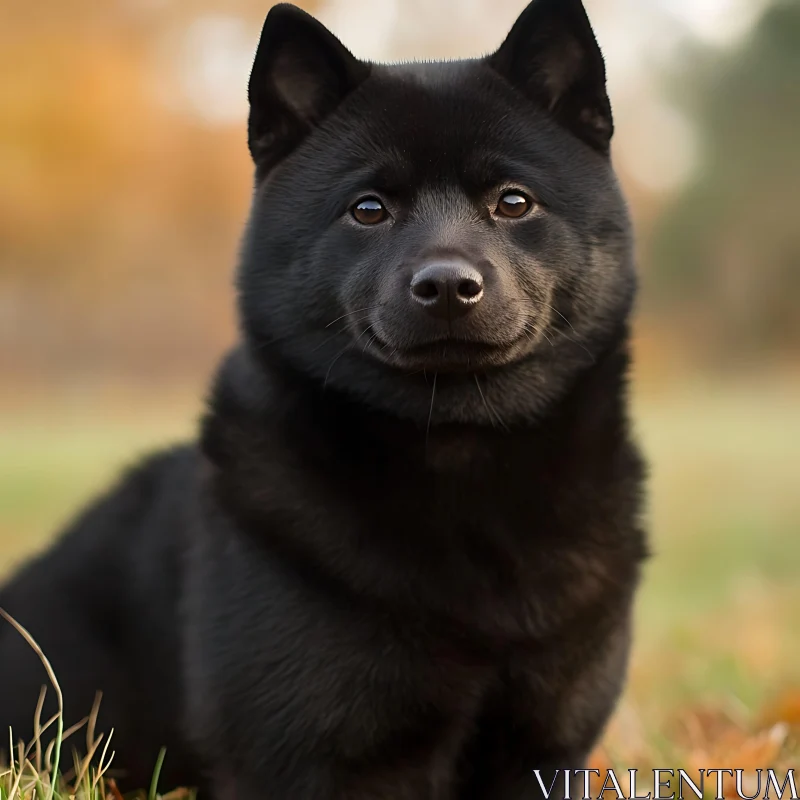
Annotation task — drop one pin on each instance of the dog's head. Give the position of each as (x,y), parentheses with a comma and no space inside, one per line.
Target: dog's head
(451,225)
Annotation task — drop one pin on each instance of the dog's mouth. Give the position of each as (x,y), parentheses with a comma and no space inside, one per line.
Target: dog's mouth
(443,355)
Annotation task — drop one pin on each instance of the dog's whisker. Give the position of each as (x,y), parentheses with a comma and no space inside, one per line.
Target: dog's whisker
(547,305)
(490,410)
(347,347)
(483,399)
(430,412)
(530,324)
(553,308)
(369,342)
(566,335)
(351,313)
(333,363)
(561,332)
(344,330)
(531,332)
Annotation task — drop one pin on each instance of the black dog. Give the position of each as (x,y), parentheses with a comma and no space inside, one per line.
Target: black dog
(400,562)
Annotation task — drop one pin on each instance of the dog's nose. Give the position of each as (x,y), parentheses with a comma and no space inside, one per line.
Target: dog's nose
(447,289)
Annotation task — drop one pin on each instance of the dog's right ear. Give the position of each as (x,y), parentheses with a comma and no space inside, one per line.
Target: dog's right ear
(300,74)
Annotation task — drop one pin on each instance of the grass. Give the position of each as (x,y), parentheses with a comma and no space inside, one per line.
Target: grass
(716,661)
(33,771)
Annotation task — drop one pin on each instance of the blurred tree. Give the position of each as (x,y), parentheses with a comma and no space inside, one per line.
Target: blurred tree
(120,206)
(727,249)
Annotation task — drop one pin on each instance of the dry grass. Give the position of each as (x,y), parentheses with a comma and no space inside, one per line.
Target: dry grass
(35,771)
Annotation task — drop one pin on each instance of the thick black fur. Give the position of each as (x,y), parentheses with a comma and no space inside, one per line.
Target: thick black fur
(400,561)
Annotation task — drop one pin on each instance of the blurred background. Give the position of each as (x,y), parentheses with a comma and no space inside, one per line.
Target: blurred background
(124,185)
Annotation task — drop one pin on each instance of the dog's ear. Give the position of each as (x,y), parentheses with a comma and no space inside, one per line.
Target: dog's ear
(552,56)
(300,74)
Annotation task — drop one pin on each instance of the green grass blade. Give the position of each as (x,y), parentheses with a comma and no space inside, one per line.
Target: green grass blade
(153,795)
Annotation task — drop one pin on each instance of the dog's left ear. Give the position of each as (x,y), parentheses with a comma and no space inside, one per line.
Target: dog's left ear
(300,75)
(552,56)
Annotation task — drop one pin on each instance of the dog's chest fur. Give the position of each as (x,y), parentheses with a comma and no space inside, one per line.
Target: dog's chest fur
(506,535)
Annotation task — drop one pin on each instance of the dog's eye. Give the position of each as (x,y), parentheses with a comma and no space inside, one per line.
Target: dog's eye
(514,205)
(370,211)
